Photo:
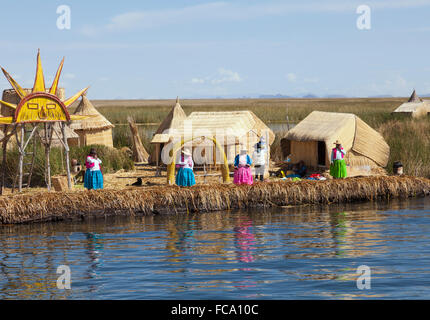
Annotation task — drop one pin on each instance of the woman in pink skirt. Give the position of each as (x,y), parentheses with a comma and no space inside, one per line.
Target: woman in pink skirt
(242,166)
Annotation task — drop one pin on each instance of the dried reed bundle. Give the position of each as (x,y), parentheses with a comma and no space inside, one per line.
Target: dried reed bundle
(139,152)
(53,206)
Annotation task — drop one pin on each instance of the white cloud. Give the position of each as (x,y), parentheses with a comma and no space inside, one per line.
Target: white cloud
(221,11)
(197,80)
(225,75)
(291,77)
(395,85)
(222,76)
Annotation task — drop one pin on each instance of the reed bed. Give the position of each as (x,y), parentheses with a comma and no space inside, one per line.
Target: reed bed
(371,110)
(55,206)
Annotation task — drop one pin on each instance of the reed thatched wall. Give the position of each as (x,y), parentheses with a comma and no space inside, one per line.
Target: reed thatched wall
(54,206)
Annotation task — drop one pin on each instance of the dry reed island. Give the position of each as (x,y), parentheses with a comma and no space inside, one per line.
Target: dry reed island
(126,133)
(57,206)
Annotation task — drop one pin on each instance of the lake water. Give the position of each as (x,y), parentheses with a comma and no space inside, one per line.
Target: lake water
(284,253)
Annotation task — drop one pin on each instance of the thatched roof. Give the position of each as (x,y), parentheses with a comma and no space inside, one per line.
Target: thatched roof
(172,121)
(414,97)
(353,133)
(57,137)
(218,124)
(415,106)
(96,122)
(228,123)
(231,123)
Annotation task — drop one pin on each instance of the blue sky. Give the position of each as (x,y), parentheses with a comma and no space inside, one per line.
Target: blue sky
(162,49)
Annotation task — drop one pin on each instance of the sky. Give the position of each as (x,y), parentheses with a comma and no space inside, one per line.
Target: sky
(134,49)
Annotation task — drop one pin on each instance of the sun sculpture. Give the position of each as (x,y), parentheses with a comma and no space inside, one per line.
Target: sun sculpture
(40,106)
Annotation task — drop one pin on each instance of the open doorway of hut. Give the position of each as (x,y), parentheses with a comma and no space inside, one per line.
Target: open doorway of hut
(321,153)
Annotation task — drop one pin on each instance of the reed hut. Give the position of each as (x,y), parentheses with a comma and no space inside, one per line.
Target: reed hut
(72,136)
(231,130)
(312,139)
(414,107)
(94,130)
(165,131)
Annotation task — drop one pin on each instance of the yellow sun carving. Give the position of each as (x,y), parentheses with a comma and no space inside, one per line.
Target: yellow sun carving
(39,105)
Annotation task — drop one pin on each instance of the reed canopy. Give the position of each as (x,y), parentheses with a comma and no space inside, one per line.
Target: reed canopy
(233,129)
(414,107)
(95,129)
(312,140)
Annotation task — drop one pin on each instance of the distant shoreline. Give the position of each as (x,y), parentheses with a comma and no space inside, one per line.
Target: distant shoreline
(150,103)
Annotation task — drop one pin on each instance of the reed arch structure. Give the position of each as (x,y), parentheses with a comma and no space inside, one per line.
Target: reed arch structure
(225,172)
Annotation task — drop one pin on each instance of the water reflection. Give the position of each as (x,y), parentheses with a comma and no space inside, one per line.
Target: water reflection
(244,239)
(94,252)
(312,251)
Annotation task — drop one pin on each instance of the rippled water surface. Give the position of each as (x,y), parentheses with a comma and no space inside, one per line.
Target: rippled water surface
(284,253)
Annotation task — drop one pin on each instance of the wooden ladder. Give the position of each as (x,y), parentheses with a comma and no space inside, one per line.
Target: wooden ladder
(28,159)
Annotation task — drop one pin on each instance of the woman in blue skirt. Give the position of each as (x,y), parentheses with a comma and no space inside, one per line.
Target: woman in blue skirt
(93,175)
(185,176)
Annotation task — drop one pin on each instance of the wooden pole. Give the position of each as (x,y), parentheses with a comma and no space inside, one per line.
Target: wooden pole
(47,144)
(4,150)
(157,153)
(66,151)
(21,157)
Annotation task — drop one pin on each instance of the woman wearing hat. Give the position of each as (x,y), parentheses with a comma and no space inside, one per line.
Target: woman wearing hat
(185,176)
(337,162)
(242,168)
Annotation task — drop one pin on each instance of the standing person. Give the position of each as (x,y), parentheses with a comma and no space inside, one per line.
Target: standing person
(185,176)
(242,166)
(337,162)
(93,175)
(259,159)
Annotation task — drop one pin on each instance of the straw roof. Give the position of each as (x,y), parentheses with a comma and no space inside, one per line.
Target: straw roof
(414,97)
(210,124)
(96,122)
(57,137)
(353,133)
(415,106)
(228,123)
(172,121)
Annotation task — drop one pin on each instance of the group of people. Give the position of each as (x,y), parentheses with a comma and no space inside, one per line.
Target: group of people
(93,178)
(242,166)
(243,162)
